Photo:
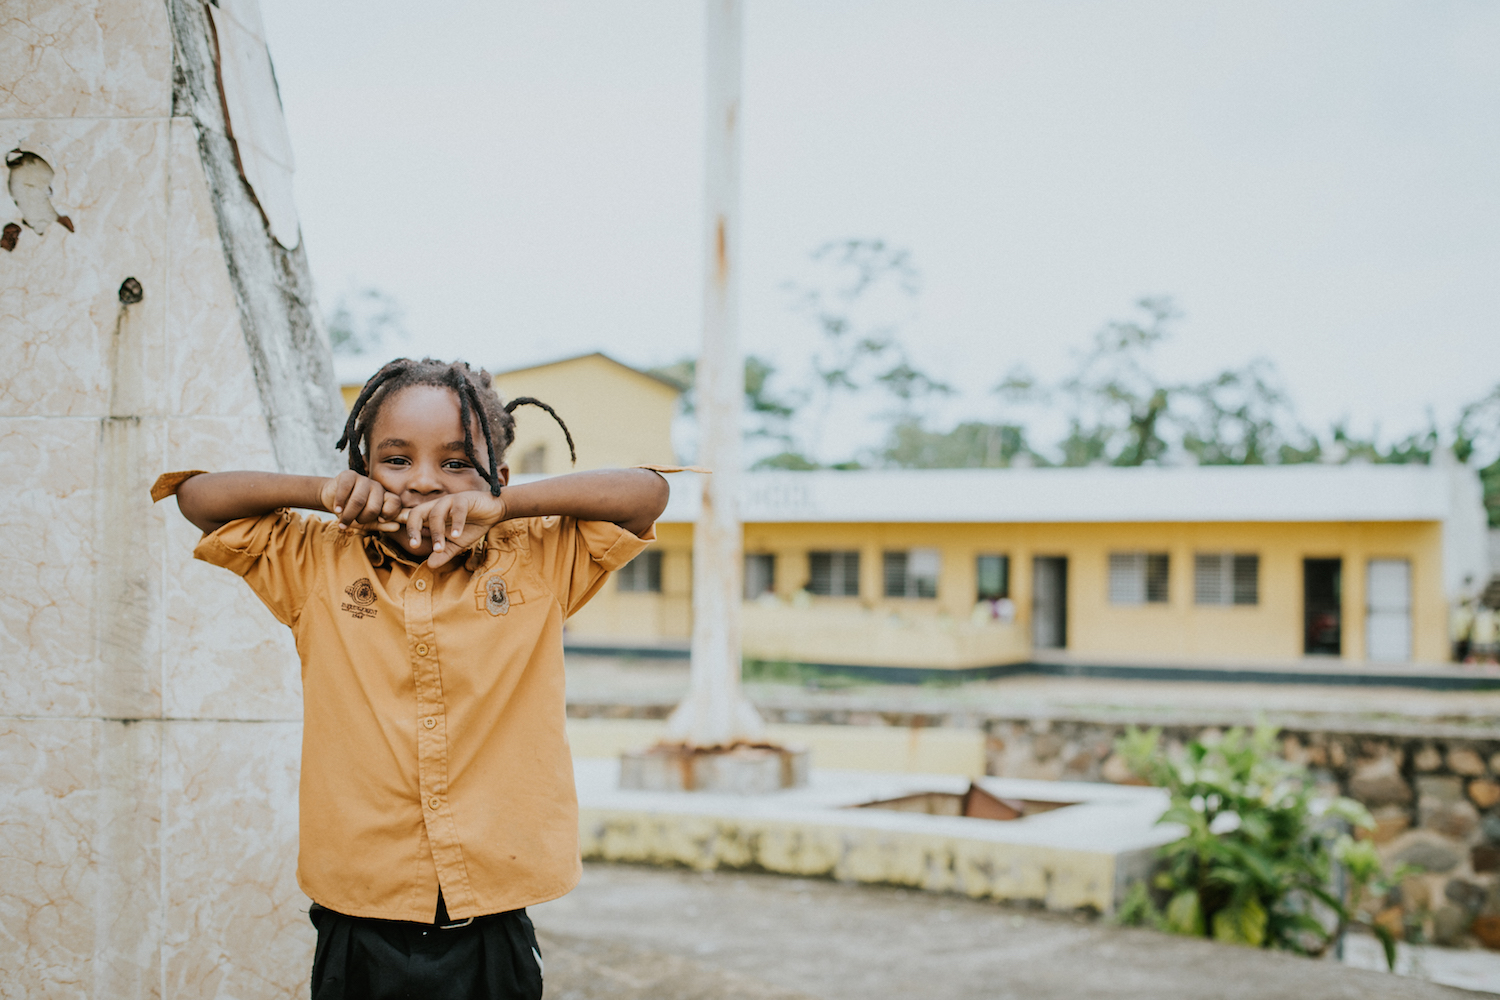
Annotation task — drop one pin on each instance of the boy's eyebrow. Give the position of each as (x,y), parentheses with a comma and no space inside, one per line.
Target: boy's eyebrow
(394,443)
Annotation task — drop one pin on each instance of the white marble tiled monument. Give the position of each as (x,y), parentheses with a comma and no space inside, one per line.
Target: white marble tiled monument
(149,706)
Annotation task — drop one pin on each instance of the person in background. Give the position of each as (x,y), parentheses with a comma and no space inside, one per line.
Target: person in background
(1460,624)
(1484,636)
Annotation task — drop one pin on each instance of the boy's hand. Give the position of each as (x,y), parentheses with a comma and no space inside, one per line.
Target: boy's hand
(454,522)
(355,498)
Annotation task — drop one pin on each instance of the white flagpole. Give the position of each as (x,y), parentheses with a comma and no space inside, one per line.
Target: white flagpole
(715,712)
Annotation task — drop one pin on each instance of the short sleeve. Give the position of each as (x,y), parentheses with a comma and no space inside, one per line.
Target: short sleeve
(277,554)
(576,557)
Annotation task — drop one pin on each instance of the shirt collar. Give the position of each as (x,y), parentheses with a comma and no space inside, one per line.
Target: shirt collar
(382,550)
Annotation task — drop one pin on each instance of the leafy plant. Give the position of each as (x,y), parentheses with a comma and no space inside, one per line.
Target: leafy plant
(1257,864)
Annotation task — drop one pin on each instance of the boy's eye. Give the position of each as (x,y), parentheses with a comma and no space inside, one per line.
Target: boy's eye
(396,460)
(455,465)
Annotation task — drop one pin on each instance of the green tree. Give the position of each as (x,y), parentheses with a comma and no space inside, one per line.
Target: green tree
(769,416)
(1476,437)
(1118,403)
(862,294)
(1242,416)
(970,445)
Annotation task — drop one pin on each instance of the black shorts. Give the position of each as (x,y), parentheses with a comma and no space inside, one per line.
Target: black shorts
(495,957)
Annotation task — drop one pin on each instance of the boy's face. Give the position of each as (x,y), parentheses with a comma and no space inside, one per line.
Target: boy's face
(417,452)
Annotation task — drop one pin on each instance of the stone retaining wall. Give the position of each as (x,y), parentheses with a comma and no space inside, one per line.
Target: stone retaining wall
(1434,801)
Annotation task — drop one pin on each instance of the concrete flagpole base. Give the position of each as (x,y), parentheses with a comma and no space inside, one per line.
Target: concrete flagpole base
(741,769)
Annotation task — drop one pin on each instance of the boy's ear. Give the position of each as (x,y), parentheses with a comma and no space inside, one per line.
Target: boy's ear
(503,474)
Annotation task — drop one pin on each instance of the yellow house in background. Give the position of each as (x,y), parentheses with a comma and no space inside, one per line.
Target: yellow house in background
(980,568)
(619,416)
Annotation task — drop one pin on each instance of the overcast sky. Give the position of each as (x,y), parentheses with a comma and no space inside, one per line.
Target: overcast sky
(1313,183)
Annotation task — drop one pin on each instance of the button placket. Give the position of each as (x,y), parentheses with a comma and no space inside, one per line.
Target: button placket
(432,743)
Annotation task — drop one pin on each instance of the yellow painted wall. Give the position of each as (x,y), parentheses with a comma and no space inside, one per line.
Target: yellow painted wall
(875,630)
(618,416)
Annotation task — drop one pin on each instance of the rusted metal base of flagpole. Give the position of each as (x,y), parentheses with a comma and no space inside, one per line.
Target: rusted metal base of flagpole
(739,769)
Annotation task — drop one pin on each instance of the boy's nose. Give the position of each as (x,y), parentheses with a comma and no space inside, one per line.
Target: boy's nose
(426,481)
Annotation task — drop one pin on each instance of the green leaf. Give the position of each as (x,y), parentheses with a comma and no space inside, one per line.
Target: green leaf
(1184,915)
(1387,944)
(1242,923)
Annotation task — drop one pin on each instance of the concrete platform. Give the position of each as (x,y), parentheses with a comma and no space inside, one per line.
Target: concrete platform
(1079,857)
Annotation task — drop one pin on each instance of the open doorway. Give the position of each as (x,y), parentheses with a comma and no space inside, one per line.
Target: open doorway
(1049,602)
(1322,607)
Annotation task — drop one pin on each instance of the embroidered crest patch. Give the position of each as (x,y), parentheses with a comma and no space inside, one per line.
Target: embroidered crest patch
(496,600)
(362,593)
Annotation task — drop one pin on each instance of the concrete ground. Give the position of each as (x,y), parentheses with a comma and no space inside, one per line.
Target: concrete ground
(631,933)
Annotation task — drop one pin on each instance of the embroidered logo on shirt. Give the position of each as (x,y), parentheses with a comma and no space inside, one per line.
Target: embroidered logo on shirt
(496,600)
(362,592)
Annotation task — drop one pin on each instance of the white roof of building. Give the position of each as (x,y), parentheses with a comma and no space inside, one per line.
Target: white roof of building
(1209,493)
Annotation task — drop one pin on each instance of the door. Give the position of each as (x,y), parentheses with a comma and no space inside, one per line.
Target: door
(1388,610)
(1049,602)
(1322,607)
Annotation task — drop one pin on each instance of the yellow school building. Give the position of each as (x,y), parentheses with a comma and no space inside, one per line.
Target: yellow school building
(945,569)
(974,568)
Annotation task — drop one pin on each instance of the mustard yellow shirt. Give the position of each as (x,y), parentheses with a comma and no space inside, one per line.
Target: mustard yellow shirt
(434,751)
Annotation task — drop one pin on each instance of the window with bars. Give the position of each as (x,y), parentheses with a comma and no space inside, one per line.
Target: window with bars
(1226,578)
(994,577)
(1138,577)
(760,575)
(833,574)
(912,573)
(641,575)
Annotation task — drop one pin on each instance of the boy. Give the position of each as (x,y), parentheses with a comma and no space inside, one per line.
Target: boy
(436,796)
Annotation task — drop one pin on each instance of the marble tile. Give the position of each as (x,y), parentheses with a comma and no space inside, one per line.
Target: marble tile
(81,614)
(73,348)
(79,858)
(46,605)
(208,362)
(236,923)
(130,536)
(94,58)
(226,656)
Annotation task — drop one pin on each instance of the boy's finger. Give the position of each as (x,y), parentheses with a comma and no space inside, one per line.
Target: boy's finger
(414,518)
(354,503)
(343,485)
(374,503)
(391,507)
(435,521)
(459,518)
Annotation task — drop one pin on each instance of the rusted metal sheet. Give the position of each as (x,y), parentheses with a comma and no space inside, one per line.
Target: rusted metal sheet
(976,803)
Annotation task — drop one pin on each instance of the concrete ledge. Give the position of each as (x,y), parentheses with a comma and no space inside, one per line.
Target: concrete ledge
(898,749)
(1340,673)
(1083,856)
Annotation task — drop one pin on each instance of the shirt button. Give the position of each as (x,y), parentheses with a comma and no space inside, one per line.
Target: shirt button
(433,803)
(429,722)
(421,649)
(420,585)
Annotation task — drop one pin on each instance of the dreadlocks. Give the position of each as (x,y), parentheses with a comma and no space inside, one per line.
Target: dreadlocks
(477,403)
